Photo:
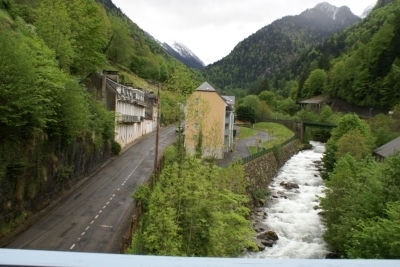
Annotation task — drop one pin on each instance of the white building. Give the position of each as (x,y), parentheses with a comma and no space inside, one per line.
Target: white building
(134,108)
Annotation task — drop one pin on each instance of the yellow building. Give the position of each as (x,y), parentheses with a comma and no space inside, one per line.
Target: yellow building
(209,118)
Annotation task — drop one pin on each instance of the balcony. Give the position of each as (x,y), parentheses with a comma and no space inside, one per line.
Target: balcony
(127,119)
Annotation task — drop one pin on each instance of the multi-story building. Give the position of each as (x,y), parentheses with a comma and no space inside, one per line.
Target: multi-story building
(134,108)
(209,122)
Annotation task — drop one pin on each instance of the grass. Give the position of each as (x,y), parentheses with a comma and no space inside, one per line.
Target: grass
(277,131)
(245,132)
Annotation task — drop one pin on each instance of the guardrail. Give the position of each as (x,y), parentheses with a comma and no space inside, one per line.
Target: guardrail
(25,258)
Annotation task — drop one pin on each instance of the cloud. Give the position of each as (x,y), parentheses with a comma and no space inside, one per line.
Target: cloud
(211,28)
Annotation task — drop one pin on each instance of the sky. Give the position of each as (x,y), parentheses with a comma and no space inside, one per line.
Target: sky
(212,28)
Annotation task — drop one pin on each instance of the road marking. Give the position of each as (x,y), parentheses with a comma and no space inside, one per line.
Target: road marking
(104,207)
(100,211)
(72,247)
(83,233)
(106,226)
(108,202)
(123,183)
(114,195)
(87,228)
(118,189)
(97,216)
(92,222)
(111,199)
(79,239)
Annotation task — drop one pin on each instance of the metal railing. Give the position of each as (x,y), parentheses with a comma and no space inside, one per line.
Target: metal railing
(269,150)
(25,258)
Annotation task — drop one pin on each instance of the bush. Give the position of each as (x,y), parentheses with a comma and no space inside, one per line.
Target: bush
(115,148)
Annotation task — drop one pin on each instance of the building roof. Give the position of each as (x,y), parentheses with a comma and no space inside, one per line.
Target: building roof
(320,99)
(230,100)
(206,87)
(389,149)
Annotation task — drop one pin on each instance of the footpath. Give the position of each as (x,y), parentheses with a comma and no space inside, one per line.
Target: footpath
(241,147)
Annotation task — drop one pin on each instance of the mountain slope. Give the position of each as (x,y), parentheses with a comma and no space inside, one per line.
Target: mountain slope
(362,62)
(183,54)
(368,10)
(273,47)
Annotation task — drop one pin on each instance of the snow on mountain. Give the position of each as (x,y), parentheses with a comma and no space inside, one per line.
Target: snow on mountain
(183,54)
(327,8)
(368,10)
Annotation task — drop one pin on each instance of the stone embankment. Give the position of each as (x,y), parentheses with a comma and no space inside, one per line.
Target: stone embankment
(259,173)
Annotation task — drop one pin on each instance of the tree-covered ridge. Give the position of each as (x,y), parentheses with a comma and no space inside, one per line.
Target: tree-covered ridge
(273,47)
(361,63)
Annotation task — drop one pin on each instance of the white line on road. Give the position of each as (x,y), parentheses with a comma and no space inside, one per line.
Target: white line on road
(104,207)
(114,195)
(72,247)
(92,222)
(111,199)
(87,228)
(97,216)
(79,239)
(108,202)
(100,211)
(83,233)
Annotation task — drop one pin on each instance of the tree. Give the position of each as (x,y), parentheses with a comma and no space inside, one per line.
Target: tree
(251,101)
(90,29)
(54,27)
(315,84)
(354,143)
(121,45)
(25,103)
(269,98)
(180,81)
(197,209)
(350,122)
(246,113)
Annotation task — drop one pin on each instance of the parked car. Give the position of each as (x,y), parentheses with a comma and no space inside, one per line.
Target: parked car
(179,129)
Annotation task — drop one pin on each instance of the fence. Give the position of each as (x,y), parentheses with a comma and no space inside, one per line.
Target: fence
(266,151)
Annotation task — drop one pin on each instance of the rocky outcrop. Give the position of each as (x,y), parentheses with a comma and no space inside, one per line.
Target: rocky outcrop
(266,239)
(289,185)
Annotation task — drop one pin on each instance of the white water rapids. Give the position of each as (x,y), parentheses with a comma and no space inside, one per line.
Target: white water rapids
(295,219)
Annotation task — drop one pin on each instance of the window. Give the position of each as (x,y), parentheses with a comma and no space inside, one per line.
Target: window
(195,125)
(196,101)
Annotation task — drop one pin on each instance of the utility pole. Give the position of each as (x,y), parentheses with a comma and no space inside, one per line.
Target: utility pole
(158,126)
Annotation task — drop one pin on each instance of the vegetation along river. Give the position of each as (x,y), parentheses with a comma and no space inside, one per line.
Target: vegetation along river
(293,213)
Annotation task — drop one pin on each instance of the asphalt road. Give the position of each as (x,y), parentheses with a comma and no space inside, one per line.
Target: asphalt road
(93,218)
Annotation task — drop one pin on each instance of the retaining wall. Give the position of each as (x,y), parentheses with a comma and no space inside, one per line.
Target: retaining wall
(259,172)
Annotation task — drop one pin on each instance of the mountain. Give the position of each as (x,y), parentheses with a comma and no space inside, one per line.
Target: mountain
(360,64)
(183,54)
(368,10)
(273,47)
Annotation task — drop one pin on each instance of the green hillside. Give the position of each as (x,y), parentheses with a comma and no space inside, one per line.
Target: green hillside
(360,64)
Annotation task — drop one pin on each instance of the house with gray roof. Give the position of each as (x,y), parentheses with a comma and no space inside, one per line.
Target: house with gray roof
(387,150)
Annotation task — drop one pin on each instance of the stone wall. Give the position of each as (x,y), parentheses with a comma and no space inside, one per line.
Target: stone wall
(259,172)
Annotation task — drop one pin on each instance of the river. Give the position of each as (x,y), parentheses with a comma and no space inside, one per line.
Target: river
(293,215)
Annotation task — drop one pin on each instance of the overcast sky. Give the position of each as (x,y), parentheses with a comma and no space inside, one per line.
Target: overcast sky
(212,28)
